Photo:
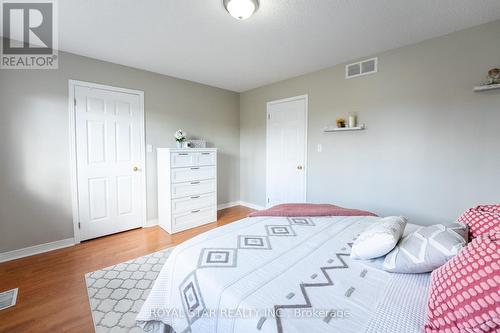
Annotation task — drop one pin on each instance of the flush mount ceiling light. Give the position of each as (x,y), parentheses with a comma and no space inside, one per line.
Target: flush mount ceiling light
(241,9)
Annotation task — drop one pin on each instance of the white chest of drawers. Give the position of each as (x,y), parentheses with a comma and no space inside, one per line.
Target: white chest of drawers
(187,188)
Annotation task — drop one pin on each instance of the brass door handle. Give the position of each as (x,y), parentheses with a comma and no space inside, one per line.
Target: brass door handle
(136,168)
(299,167)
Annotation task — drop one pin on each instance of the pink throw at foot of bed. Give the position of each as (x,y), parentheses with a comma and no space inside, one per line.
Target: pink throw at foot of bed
(301,209)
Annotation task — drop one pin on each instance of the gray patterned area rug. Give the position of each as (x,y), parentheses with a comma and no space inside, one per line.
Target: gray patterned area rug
(116,293)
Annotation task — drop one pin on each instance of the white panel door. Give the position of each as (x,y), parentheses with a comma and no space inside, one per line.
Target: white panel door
(109,154)
(286,151)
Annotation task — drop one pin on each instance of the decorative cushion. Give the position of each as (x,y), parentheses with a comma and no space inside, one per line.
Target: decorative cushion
(426,249)
(490,208)
(481,219)
(378,239)
(464,293)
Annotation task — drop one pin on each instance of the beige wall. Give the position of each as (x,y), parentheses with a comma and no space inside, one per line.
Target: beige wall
(432,146)
(35,197)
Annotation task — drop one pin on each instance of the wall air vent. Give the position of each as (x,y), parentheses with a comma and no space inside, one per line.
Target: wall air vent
(361,68)
(8,298)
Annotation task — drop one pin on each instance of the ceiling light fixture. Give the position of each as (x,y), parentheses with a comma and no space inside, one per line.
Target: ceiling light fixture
(241,9)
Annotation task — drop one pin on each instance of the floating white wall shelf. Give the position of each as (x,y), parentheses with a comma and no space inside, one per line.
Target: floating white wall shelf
(343,129)
(487,87)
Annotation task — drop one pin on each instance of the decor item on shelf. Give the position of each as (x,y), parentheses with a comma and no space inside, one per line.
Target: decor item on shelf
(353,120)
(241,9)
(180,137)
(494,76)
(487,87)
(340,122)
(332,128)
(492,83)
(198,144)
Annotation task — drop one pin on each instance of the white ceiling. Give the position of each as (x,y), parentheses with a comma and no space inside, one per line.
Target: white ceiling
(198,40)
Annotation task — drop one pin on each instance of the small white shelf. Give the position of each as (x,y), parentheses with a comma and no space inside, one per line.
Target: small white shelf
(343,129)
(487,87)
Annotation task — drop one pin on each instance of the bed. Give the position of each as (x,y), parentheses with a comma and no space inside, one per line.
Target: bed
(281,275)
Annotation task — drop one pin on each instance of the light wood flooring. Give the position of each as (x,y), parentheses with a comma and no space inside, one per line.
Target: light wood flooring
(52,293)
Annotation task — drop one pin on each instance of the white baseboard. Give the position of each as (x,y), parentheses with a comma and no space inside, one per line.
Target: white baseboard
(29,251)
(240,203)
(151,223)
(228,204)
(32,250)
(251,205)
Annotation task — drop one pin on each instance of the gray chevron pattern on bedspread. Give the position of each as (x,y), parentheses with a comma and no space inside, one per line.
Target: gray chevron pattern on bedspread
(267,274)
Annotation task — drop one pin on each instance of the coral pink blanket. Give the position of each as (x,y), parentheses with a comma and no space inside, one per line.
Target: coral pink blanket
(296,210)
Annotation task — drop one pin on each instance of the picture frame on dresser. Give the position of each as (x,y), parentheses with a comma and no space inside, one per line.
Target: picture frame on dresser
(187,188)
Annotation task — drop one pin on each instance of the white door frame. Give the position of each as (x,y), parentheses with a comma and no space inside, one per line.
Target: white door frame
(290,99)
(72,148)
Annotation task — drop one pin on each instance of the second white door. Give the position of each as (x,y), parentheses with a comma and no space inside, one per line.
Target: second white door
(109,130)
(286,150)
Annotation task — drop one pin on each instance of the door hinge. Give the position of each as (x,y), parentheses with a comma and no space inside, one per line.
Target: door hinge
(79,226)
(268,201)
(269,116)
(74,102)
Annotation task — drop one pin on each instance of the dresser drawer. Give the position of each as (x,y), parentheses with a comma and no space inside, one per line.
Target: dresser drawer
(192,159)
(193,188)
(193,203)
(187,187)
(182,160)
(206,158)
(181,175)
(193,218)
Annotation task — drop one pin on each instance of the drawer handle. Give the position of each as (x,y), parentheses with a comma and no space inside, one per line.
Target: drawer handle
(194,183)
(195,211)
(196,197)
(183,154)
(205,153)
(195,168)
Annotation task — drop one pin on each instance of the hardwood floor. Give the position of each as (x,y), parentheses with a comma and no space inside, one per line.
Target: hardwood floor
(52,293)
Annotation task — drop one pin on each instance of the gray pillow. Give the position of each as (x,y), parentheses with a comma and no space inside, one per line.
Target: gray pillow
(426,249)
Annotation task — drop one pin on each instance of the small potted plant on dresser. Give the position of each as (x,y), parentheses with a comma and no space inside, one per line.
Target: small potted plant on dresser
(180,138)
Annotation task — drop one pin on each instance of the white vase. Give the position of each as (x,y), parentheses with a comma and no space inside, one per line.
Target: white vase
(179,144)
(352,121)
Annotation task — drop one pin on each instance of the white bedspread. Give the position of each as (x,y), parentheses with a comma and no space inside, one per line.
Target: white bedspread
(236,278)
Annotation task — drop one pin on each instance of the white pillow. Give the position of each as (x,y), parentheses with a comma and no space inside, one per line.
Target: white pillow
(379,239)
(427,248)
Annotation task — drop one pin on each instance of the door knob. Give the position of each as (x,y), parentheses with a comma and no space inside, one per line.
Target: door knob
(299,167)
(136,168)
